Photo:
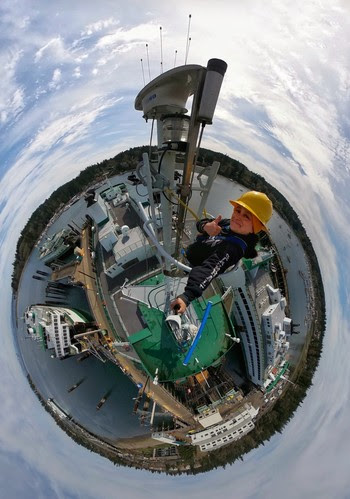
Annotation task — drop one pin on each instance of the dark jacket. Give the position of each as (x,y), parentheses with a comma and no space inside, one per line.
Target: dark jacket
(210,256)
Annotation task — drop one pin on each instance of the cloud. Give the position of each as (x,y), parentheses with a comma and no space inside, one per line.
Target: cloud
(136,34)
(54,49)
(11,93)
(98,26)
(56,78)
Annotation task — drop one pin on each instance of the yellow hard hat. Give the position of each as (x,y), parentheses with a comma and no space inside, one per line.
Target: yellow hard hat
(259,205)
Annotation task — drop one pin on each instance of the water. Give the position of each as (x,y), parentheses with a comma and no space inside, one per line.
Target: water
(53,377)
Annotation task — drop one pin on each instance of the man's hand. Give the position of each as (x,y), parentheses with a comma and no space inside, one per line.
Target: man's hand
(213,228)
(178,305)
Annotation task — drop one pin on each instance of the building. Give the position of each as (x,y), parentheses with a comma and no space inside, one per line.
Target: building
(227,432)
(259,312)
(130,248)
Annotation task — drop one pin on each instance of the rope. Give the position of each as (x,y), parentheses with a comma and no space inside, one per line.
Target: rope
(183,204)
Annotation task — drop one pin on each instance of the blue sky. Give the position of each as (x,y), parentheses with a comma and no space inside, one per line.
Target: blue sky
(70,74)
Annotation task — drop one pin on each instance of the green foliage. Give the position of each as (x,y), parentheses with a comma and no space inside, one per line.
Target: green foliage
(187,453)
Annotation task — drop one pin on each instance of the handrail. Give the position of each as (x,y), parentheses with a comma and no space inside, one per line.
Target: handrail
(162,251)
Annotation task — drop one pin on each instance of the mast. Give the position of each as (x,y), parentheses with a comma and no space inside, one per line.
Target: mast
(164,100)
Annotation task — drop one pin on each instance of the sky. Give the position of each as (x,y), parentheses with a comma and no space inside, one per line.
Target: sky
(70,75)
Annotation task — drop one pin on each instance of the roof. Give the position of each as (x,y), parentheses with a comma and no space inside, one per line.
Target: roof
(157,347)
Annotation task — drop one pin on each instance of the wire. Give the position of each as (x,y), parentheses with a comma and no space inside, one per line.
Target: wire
(170,201)
(156,290)
(161,159)
(197,151)
(137,190)
(188,38)
(182,203)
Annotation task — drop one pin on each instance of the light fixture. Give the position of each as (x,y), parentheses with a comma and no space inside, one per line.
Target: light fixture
(175,131)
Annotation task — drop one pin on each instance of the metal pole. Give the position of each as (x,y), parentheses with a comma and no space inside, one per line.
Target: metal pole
(80,335)
(153,411)
(188,164)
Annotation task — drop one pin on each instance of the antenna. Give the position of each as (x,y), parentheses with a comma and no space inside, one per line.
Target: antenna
(149,71)
(188,48)
(161,49)
(143,73)
(188,38)
(175,58)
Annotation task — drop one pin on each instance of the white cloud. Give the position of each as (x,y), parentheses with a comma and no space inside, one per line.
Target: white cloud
(53,49)
(56,78)
(11,93)
(99,25)
(137,34)
(77,72)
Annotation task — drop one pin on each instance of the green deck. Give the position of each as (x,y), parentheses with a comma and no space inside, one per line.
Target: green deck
(157,347)
(153,281)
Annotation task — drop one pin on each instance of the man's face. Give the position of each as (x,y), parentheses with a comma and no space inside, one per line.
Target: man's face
(241,221)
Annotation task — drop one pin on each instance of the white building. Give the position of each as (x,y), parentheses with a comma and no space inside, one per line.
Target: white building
(222,434)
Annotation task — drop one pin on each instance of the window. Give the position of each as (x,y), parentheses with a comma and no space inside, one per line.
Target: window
(130,263)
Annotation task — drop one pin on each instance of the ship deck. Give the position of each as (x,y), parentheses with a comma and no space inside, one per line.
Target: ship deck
(157,348)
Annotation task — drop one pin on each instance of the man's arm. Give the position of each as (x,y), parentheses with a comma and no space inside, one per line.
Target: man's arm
(201,276)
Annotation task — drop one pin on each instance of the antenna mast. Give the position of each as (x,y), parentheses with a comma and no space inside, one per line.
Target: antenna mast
(161,49)
(188,39)
(143,73)
(149,71)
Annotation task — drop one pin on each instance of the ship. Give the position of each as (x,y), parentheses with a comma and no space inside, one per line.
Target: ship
(133,265)
(59,329)
(57,245)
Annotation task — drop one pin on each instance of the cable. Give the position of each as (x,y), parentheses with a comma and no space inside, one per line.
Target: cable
(170,201)
(183,204)
(141,195)
(161,159)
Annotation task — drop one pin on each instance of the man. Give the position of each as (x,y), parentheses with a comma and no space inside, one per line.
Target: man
(221,243)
